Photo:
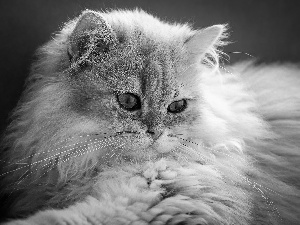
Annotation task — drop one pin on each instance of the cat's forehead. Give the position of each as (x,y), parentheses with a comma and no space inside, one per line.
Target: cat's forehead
(142,65)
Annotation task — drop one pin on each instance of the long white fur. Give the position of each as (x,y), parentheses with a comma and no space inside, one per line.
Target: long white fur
(250,124)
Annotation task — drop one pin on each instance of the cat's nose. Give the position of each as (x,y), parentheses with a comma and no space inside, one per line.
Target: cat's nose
(155,134)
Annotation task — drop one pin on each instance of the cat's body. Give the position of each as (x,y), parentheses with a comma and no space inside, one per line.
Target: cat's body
(129,119)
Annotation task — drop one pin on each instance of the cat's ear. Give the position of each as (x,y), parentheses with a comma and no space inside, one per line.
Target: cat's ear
(205,41)
(91,33)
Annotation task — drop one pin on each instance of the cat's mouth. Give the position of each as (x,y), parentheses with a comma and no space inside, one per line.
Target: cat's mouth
(141,141)
(134,140)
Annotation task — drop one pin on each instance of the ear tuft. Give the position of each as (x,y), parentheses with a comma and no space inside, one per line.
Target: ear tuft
(203,45)
(90,32)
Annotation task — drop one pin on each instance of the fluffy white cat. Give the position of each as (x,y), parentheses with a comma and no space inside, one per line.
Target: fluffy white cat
(130,120)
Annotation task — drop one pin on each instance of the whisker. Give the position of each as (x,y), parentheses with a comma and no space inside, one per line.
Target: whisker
(226,70)
(173,135)
(20,178)
(47,171)
(241,53)
(98,144)
(86,152)
(189,141)
(96,141)
(194,154)
(17,183)
(4,161)
(59,148)
(64,161)
(39,168)
(211,149)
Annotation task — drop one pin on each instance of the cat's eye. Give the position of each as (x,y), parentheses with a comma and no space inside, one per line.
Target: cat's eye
(177,106)
(129,101)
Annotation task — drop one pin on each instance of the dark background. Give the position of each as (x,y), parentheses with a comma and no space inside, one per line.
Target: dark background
(266,29)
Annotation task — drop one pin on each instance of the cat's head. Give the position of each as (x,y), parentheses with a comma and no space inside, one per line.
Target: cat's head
(138,77)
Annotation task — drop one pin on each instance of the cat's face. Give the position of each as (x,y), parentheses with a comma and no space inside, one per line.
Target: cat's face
(134,88)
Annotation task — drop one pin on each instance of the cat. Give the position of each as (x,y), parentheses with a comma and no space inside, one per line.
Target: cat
(127,119)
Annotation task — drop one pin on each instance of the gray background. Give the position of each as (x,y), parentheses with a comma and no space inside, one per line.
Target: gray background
(267,29)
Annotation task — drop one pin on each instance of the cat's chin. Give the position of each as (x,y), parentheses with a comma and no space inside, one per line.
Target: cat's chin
(164,144)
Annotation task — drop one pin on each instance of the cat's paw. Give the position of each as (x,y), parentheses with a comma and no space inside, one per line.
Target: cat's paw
(159,173)
(152,170)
